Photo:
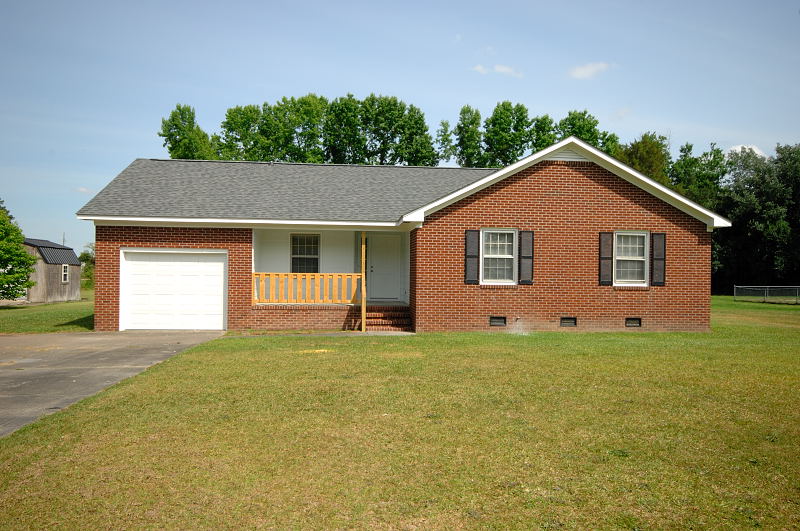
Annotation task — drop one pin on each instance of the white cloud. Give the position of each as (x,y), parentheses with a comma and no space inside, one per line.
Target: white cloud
(588,71)
(498,69)
(507,70)
(746,146)
(621,113)
(84,190)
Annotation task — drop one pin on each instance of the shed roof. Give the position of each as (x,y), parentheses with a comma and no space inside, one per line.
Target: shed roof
(157,188)
(53,253)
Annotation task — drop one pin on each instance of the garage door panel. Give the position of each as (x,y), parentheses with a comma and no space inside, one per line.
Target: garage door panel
(173,290)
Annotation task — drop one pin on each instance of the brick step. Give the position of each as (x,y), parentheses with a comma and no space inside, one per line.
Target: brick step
(387,315)
(388,318)
(384,328)
(389,322)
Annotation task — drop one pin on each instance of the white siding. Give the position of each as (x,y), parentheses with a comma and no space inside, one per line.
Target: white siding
(271,250)
(566,154)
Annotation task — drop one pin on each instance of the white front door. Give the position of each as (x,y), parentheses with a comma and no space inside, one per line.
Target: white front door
(385,266)
(166,289)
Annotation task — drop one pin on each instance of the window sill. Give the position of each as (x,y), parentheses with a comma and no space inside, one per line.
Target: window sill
(498,286)
(631,288)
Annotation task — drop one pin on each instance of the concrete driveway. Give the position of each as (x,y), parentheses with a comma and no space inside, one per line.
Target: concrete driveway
(42,373)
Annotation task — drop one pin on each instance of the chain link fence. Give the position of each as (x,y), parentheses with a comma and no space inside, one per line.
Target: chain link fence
(773,294)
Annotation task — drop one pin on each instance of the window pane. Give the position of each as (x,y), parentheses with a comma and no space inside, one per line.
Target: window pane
(305,265)
(631,245)
(630,270)
(305,245)
(498,269)
(498,243)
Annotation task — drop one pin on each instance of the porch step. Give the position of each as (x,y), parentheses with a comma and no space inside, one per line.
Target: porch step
(388,318)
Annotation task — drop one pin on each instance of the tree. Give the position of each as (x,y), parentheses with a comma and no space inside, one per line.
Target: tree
(381,122)
(183,138)
(86,258)
(467,131)
(307,116)
(415,145)
(506,134)
(342,137)
(4,210)
(787,172)
(754,249)
(16,265)
(241,138)
(699,178)
(648,154)
(543,133)
(583,125)
(444,142)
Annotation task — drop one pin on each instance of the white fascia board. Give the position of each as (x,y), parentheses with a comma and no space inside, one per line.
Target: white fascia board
(204,222)
(691,208)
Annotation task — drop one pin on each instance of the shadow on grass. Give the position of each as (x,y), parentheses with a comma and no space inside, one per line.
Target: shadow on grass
(82,322)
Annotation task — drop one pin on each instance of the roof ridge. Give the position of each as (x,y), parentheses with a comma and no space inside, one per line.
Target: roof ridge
(323,164)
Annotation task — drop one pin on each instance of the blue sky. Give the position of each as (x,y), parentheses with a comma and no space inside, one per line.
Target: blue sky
(85,84)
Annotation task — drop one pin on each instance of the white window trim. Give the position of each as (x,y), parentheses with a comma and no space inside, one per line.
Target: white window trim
(646,281)
(515,256)
(318,256)
(65,273)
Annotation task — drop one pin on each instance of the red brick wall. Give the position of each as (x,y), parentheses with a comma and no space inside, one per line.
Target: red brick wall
(109,240)
(305,317)
(566,204)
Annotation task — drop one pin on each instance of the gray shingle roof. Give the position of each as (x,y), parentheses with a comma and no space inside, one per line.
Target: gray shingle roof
(280,191)
(53,253)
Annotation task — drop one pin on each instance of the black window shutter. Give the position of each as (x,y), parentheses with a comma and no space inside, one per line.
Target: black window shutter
(658,242)
(526,257)
(606,267)
(472,256)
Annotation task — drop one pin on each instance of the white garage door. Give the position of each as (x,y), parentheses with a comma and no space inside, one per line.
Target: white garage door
(172,290)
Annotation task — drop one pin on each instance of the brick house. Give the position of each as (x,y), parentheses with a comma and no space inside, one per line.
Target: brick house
(567,236)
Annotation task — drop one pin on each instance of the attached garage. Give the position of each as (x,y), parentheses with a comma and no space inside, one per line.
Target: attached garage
(172,289)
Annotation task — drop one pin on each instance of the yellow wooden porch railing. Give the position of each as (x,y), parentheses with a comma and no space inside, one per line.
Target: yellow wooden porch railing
(306,288)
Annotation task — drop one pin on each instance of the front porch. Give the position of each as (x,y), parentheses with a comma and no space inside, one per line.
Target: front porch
(331,278)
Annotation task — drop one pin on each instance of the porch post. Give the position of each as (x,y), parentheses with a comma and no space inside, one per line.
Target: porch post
(363,281)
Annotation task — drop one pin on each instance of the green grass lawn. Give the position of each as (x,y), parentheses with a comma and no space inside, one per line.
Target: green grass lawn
(436,431)
(76,316)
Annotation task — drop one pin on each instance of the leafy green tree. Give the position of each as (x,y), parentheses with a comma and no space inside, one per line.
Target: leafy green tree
(543,132)
(4,210)
(183,138)
(787,172)
(381,123)
(468,138)
(754,249)
(445,148)
(648,154)
(342,136)
(307,116)
(16,265)
(699,178)
(583,125)
(506,134)
(241,138)
(86,258)
(415,145)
